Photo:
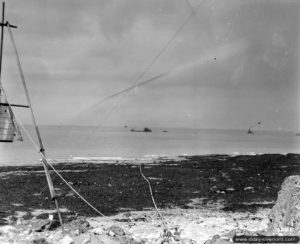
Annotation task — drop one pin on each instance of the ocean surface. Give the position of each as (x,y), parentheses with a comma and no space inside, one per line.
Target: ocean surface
(80,142)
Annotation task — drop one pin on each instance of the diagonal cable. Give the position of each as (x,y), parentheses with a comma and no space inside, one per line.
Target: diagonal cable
(52,167)
(136,81)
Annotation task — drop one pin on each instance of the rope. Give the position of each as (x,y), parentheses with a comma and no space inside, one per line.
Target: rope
(153,200)
(135,84)
(31,139)
(25,86)
(133,87)
(59,175)
(169,42)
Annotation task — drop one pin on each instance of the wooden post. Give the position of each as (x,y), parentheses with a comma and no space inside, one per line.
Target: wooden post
(1,47)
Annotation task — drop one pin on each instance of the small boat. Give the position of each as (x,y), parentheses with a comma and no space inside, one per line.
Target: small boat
(146,129)
(250,131)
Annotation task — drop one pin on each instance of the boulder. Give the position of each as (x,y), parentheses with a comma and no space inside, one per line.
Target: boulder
(285,215)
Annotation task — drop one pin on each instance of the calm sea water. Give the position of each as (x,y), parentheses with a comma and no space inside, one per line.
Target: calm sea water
(67,142)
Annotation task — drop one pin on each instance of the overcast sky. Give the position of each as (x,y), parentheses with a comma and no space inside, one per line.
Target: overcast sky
(234,63)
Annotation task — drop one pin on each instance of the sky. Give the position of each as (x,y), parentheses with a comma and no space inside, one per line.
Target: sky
(234,63)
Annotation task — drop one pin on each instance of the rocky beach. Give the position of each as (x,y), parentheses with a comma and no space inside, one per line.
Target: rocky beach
(202,196)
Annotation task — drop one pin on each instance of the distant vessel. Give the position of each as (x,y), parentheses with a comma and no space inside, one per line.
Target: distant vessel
(146,129)
(250,130)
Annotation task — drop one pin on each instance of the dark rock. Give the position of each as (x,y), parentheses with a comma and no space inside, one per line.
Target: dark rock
(54,224)
(293,156)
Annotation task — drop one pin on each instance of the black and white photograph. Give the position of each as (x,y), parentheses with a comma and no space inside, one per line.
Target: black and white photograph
(149,121)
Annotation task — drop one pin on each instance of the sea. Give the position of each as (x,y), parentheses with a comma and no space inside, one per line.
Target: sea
(75,143)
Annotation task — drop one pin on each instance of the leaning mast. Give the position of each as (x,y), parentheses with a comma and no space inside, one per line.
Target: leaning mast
(42,150)
(1,47)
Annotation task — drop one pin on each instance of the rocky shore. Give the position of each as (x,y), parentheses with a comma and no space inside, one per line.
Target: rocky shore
(203,198)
